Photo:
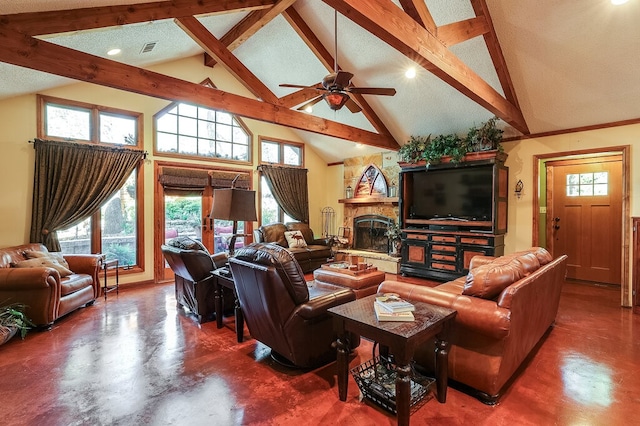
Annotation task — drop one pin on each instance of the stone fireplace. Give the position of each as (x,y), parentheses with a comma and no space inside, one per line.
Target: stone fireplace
(369,233)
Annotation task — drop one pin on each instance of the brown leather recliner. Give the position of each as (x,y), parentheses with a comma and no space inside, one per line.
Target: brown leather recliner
(46,294)
(193,280)
(282,310)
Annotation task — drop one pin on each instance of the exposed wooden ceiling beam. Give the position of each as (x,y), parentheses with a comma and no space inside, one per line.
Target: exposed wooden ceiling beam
(418,10)
(61,21)
(323,55)
(495,51)
(29,52)
(390,24)
(250,25)
(457,32)
(201,35)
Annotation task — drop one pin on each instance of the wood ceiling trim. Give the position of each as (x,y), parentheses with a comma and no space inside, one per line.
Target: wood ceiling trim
(201,35)
(40,55)
(495,51)
(418,10)
(457,32)
(250,25)
(390,24)
(322,53)
(62,21)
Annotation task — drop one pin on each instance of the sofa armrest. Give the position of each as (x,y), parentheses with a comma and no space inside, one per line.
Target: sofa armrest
(21,279)
(84,263)
(37,288)
(476,314)
(320,241)
(323,297)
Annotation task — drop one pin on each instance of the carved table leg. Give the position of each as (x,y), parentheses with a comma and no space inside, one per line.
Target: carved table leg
(403,393)
(442,367)
(343,365)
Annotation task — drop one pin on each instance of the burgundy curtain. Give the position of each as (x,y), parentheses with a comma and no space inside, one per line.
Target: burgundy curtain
(289,187)
(70,183)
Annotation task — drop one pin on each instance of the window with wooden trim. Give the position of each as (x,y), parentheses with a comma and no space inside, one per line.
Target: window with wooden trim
(285,153)
(116,229)
(587,184)
(189,130)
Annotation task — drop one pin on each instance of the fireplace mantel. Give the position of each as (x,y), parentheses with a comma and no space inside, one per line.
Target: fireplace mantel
(370,200)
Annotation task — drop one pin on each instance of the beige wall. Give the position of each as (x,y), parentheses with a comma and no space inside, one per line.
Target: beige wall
(521,166)
(18,121)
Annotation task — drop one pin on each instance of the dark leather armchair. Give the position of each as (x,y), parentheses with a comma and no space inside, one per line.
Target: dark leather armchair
(284,312)
(193,280)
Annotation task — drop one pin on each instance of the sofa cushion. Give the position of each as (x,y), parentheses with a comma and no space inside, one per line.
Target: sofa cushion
(186,243)
(488,281)
(274,233)
(295,239)
(74,282)
(35,254)
(304,228)
(44,262)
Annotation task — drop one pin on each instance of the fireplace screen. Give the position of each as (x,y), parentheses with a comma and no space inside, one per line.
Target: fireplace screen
(370,232)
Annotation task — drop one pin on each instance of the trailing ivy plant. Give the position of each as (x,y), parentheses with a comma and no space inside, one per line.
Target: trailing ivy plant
(411,152)
(12,316)
(485,137)
(450,145)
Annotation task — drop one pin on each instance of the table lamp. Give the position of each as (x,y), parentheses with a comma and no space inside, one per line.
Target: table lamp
(234,204)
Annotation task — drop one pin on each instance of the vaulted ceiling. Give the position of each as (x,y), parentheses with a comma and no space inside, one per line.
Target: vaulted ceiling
(540,65)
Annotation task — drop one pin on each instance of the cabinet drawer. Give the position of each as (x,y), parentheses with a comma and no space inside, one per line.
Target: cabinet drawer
(417,237)
(450,249)
(477,241)
(443,239)
(448,258)
(443,266)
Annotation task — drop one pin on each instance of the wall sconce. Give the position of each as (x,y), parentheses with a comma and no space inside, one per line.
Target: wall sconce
(519,188)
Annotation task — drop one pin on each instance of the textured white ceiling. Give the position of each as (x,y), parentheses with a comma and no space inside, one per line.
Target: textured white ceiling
(573,63)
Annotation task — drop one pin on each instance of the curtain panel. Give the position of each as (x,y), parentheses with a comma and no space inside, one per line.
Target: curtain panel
(70,183)
(289,188)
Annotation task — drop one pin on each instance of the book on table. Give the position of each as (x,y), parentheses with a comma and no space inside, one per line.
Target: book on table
(394,303)
(384,315)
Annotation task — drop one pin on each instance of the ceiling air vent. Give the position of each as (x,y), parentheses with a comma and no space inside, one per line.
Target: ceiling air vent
(148,47)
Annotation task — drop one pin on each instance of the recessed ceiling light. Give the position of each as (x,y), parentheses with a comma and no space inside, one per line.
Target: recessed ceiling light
(308,109)
(618,2)
(113,52)
(410,73)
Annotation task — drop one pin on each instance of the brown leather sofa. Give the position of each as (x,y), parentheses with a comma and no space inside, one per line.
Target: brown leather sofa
(192,265)
(46,294)
(283,311)
(505,306)
(310,257)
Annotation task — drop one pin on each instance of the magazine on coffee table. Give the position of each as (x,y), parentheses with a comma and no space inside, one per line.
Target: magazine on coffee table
(384,315)
(392,302)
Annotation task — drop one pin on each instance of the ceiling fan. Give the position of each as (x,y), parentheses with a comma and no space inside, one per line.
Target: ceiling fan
(337,88)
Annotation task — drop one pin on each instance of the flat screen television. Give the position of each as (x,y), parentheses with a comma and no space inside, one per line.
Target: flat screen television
(462,194)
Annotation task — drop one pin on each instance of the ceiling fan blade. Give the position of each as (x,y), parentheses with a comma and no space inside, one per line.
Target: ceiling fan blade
(385,91)
(310,103)
(343,78)
(299,86)
(353,105)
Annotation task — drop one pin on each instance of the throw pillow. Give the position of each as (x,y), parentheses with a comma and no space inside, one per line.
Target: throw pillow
(44,262)
(295,239)
(55,255)
(186,243)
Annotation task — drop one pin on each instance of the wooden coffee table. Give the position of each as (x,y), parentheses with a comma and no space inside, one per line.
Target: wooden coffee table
(400,338)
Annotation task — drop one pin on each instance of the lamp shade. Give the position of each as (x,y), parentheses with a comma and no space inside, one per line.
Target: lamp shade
(335,99)
(234,204)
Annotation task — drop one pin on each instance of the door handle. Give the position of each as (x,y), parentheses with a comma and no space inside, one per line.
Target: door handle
(555,225)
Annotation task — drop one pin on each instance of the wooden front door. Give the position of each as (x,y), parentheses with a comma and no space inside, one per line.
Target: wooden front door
(584,216)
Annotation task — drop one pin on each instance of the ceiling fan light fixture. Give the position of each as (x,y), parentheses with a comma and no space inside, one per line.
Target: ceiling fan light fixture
(335,100)
(410,72)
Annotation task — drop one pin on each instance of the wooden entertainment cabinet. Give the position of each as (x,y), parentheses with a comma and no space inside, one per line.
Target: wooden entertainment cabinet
(442,248)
